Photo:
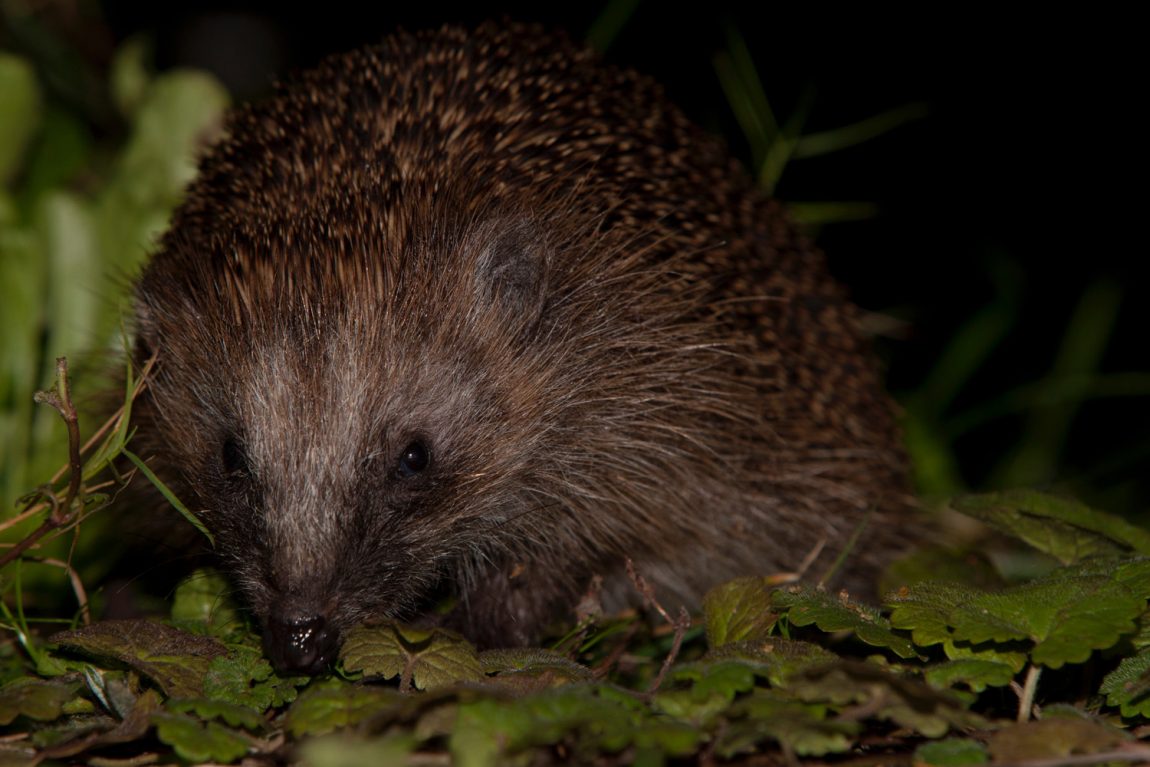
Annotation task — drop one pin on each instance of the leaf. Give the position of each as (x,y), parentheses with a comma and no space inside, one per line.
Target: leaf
(199,741)
(532,669)
(39,699)
(806,606)
(802,727)
(977,674)
(174,660)
(230,713)
(776,658)
(712,686)
(132,727)
(1065,615)
(1053,738)
(738,611)
(1127,686)
(951,752)
(333,705)
(906,702)
(1065,529)
(429,658)
(245,678)
(201,601)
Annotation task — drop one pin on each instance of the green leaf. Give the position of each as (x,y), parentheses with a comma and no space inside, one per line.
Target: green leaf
(951,752)
(806,606)
(333,705)
(429,658)
(776,658)
(202,601)
(1128,686)
(175,660)
(245,678)
(712,687)
(904,701)
(1053,738)
(532,669)
(802,727)
(39,699)
(230,713)
(975,673)
(1065,529)
(737,611)
(199,741)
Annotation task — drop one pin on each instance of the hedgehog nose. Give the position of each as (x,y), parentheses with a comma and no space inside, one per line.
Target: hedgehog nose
(300,645)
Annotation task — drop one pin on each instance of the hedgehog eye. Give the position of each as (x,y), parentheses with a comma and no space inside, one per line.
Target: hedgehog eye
(414,459)
(234,460)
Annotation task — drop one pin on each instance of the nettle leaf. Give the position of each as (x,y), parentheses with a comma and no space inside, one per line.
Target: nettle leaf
(531,669)
(1067,530)
(951,752)
(1053,737)
(977,674)
(776,658)
(1067,615)
(333,705)
(231,714)
(1128,686)
(199,741)
(767,716)
(806,606)
(697,692)
(430,658)
(174,660)
(906,702)
(202,601)
(245,678)
(39,699)
(739,611)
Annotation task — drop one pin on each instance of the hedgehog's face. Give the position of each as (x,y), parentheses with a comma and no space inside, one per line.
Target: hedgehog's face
(346,465)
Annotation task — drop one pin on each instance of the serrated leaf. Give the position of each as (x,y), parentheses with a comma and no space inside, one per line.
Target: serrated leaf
(229,713)
(39,699)
(531,669)
(805,606)
(333,705)
(803,727)
(1068,615)
(696,692)
(951,752)
(131,728)
(174,660)
(245,678)
(738,611)
(1128,685)
(1053,738)
(776,658)
(199,741)
(976,674)
(431,658)
(1065,529)
(904,701)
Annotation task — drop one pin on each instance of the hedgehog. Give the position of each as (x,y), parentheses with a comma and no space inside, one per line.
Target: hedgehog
(474,313)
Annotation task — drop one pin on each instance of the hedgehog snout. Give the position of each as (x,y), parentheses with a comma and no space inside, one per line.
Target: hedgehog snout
(300,643)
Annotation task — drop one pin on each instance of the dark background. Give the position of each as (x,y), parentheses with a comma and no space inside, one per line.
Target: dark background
(1023,185)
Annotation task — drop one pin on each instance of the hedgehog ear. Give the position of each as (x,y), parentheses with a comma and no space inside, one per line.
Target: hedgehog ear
(512,271)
